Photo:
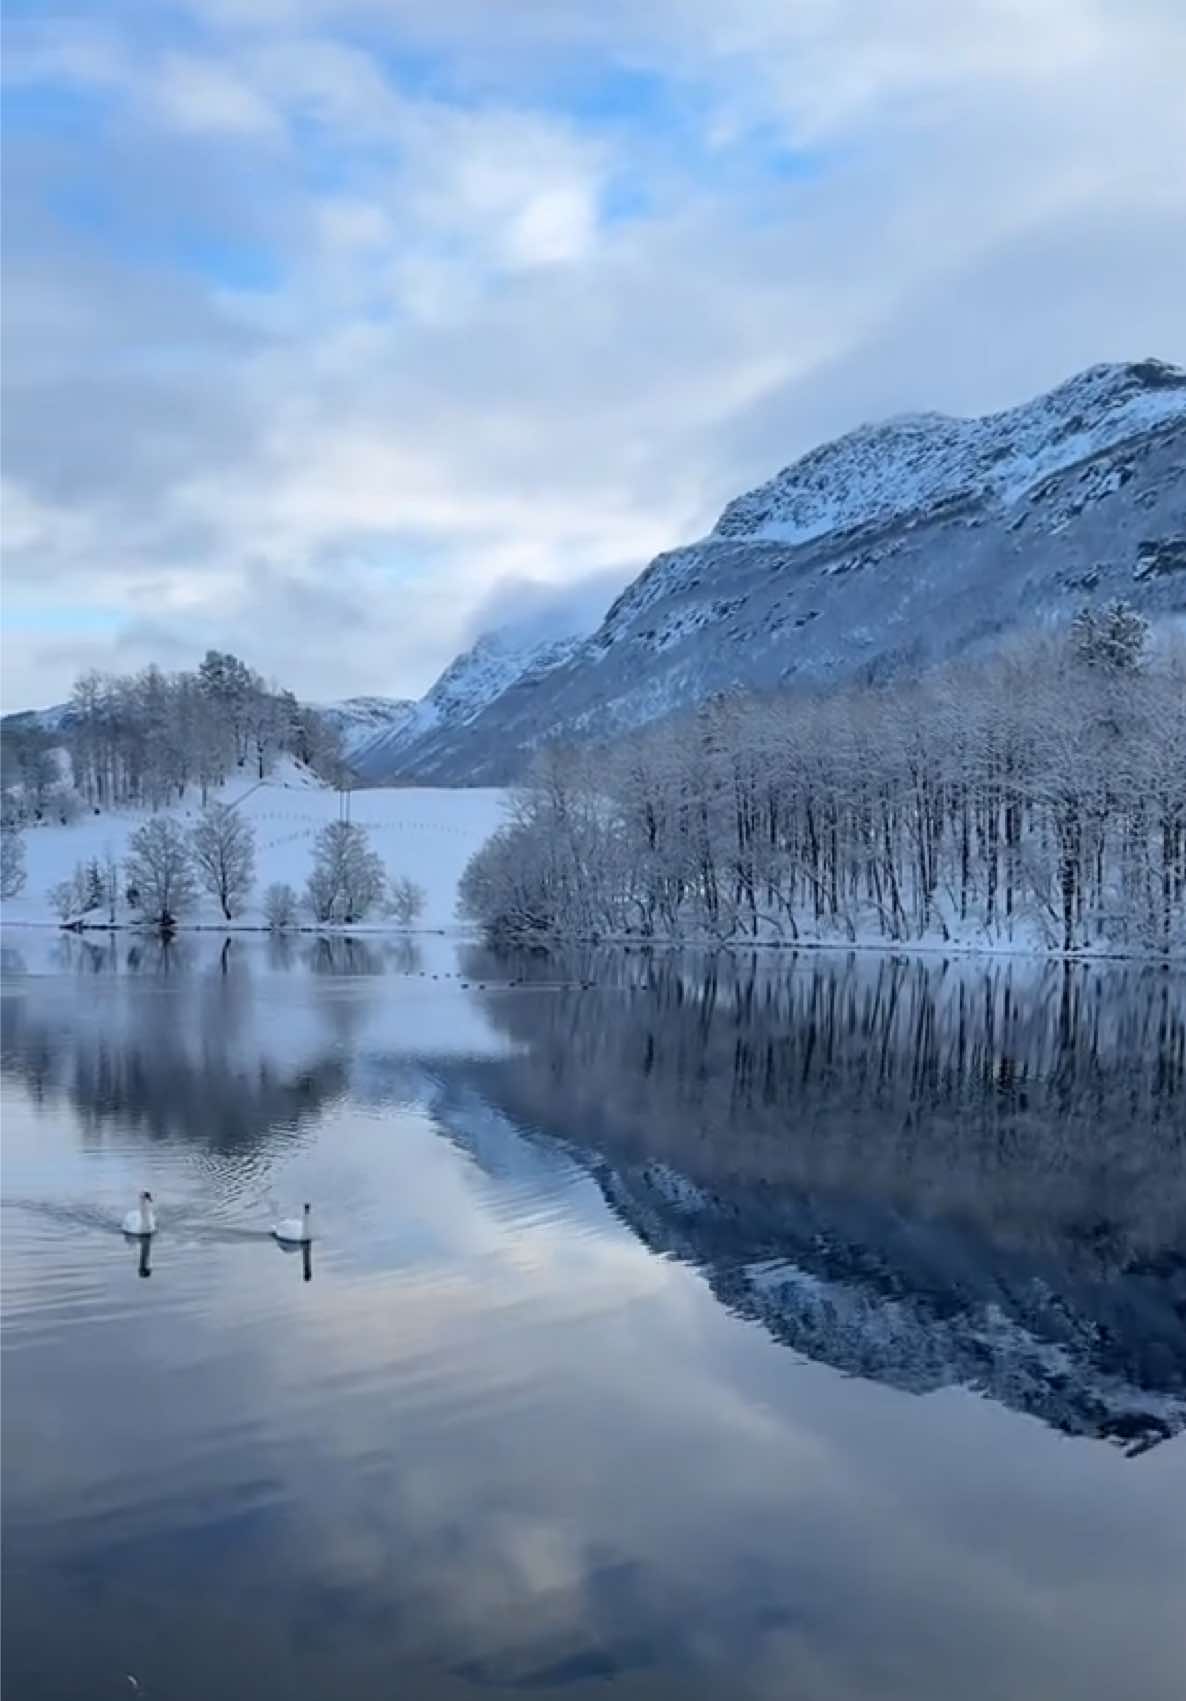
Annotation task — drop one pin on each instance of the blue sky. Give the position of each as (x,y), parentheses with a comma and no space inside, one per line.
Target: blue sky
(333,330)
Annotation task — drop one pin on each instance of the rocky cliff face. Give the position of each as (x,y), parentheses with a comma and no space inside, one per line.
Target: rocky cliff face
(899,545)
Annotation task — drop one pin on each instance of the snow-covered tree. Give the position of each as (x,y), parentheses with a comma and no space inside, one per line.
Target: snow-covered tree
(1114,637)
(223,849)
(141,739)
(110,882)
(231,688)
(12,860)
(347,879)
(321,893)
(1028,796)
(160,872)
(70,898)
(280,906)
(406,900)
(96,889)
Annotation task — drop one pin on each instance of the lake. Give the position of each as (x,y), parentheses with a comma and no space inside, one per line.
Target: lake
(740,1327)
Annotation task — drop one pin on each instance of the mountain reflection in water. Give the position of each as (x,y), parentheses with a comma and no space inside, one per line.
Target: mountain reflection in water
(525,1418)
(923,1172)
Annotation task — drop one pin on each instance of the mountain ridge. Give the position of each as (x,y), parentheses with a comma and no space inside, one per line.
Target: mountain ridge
(897,545)
(478,676)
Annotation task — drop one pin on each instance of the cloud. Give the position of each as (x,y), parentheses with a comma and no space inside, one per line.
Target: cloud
(539,612)
(341,324)
(200,95)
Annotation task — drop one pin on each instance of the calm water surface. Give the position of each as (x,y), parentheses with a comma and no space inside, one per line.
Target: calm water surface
(803,1328)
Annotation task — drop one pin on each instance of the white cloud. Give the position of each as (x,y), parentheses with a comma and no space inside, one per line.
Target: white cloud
(515,334)
(200,94)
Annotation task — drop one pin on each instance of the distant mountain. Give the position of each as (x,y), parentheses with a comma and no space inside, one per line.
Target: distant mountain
(896,546)
(54,719)
(480,676)
(359,720)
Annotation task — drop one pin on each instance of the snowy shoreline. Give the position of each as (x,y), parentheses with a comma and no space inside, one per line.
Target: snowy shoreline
(424,834)
(884,947)
(708,947)
(337,930)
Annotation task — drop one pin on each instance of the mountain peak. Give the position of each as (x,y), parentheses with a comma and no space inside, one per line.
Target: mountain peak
(912,461)
(901,544)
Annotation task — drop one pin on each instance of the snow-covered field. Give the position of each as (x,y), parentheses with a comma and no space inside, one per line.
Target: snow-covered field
(426,834)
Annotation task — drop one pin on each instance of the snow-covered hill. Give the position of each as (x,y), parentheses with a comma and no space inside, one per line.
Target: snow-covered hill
(895,546)
(426,835)
(54,719)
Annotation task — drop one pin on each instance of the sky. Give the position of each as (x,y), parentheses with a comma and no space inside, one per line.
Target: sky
(338,330)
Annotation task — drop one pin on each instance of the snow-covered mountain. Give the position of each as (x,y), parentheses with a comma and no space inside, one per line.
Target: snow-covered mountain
(478,677)
(895,546)
(54,719)
(359,720)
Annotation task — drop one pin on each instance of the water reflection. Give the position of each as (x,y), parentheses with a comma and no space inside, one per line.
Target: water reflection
(925,1173)
(921,1172)
(304,1250)
(502,1447)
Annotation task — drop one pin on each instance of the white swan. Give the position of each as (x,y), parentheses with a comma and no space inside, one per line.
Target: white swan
(296,1228)
(142,1220)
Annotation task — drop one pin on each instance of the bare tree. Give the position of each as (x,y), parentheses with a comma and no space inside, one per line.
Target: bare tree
(321,893)
(347,879)
(362,874)
(223,849)
(406,900)
(12,860)
(143,738)
(110,882)
(29,769)
(160,872)
(69,898)
(280,906)
(1039,795)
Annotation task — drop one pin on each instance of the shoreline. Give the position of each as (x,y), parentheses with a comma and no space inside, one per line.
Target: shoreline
(893,948)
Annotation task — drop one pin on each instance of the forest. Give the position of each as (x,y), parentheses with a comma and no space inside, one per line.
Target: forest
(1036,797)
(138,740)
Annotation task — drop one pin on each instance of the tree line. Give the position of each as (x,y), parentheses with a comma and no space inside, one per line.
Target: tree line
(167,869)
(1037,797)
(139,740)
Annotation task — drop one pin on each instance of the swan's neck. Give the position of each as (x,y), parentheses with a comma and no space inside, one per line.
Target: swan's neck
(307,1224)
(147,1220)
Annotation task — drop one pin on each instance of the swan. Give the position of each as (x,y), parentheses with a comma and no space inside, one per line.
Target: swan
(297,1229)
(142,1220)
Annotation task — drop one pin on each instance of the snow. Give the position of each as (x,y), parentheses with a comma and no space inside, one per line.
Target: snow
(360,720)
(478,676)
(44,720)
(896,547)
(428,834)
(912,462)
